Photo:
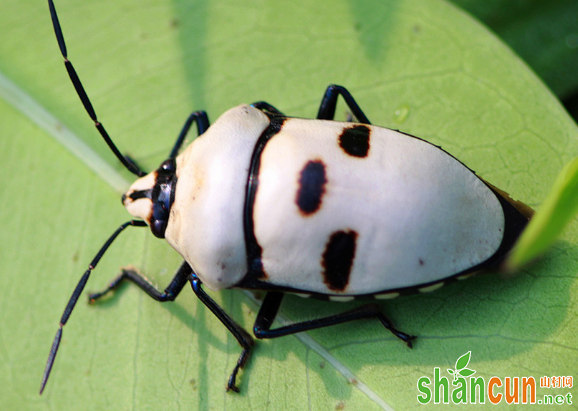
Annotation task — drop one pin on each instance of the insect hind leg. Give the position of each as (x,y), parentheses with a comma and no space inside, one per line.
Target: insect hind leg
(272,302)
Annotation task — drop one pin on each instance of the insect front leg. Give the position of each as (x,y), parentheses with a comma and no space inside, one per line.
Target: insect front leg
(202,120)
(169,294)
(242,336)
(329,102)
(272,302)
(264,106)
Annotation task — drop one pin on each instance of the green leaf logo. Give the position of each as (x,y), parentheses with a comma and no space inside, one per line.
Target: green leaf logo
(461,367)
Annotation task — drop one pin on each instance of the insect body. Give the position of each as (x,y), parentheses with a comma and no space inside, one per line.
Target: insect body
(334,210)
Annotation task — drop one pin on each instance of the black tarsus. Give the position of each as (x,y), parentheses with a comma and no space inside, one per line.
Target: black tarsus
(329,103)
(272,302)
(130,166)
(76,294)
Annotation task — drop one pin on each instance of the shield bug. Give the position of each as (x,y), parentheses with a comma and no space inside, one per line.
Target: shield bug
(315,207)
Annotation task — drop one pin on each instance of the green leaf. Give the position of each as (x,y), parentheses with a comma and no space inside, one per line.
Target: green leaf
(463,361)
(466,372)
(421,66)
(556,212)
(543,33)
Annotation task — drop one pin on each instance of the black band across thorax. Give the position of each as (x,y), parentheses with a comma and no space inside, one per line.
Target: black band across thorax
(254,251)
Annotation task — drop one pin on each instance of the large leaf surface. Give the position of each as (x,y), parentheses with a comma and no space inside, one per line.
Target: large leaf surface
(543,33)
(421,66)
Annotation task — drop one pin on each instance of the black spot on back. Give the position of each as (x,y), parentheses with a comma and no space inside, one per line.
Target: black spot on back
(337,259)
(355,140)
(312,182)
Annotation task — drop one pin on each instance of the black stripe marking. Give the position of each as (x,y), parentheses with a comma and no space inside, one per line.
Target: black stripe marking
(254,250)
(312,182)
(355,140)
(338,259)
(135,195)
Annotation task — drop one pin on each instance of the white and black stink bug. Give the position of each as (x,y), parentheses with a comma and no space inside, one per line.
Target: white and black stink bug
(332,210)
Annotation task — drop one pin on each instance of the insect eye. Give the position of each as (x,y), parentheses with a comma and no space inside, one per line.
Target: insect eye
(162,197)
(158,227)
(169,165)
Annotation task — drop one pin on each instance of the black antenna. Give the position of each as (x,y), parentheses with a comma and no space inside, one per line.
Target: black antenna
(76,295)
(130,166)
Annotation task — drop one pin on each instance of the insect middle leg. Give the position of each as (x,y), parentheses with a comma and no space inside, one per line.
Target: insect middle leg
(272,302)
(242,336)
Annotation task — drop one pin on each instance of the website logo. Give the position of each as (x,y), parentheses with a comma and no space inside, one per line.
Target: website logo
(467,388)
(461,364)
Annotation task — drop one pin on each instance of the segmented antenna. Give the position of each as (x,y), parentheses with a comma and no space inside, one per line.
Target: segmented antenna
(130,166)
(76,294)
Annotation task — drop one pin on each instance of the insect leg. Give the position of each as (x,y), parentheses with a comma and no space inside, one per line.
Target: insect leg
(202,125)
(242,336)
(173,289)
(329,102)
(272,302)
(264,106)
